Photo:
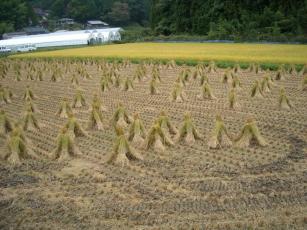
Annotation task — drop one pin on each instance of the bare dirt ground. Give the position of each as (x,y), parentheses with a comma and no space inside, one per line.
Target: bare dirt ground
(186,188)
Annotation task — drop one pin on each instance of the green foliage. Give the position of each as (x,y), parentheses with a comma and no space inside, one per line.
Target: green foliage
(119,14)
(15,14)
(247,20)
(116,12)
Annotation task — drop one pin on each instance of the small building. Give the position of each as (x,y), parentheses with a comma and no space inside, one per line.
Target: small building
(96,24)
(65,21)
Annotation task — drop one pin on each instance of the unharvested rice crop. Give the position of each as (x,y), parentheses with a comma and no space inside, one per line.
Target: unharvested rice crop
(83,156)
(262,53)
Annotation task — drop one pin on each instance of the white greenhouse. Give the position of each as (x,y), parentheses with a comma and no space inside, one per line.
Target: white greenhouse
(61,38)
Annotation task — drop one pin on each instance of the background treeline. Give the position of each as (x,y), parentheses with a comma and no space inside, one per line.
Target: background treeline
(117,12)
(230,19)
(247,20)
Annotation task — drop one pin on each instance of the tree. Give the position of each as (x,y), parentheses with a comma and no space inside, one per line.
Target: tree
(227,19)
(15,14)
(82,10)
(58,8)
(137,10)
(119,14)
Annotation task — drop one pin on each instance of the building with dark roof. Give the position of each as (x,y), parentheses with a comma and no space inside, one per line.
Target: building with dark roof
(96,24)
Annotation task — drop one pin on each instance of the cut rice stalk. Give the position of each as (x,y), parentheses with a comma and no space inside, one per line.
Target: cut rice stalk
(256,90)
(123,153)
(284,102)
(66,147)
(121,118)
(17,149)
(188,132)
(65,110)
(219,137)
(157,139)
(79,100)
(74,129)
(5,124)
(137,132)
(250,134)
(206,92)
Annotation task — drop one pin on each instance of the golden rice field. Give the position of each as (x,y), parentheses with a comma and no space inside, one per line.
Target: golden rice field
(262,53)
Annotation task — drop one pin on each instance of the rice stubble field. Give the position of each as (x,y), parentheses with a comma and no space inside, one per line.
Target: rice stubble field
(184,185)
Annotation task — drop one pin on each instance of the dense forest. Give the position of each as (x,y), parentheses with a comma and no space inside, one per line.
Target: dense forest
(215,19)
(227,19)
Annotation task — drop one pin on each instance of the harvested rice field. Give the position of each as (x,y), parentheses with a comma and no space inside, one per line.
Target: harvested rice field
(97,145)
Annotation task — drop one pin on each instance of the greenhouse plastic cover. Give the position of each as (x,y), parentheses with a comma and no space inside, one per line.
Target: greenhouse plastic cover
(63,38)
